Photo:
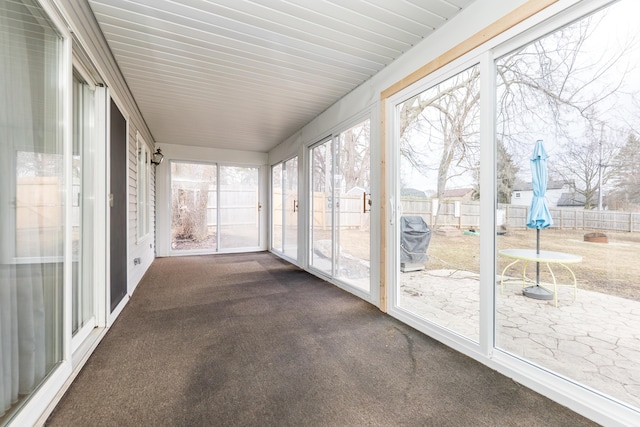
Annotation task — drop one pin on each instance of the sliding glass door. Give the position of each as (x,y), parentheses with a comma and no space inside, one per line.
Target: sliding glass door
(239,210)
(340,203)
(284,208)
(214,208)
(83,195)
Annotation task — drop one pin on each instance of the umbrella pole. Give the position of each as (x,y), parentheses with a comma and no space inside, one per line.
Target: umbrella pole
(537,253)
(537,291)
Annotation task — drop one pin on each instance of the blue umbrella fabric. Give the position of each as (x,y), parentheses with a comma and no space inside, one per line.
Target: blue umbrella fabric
(539,216)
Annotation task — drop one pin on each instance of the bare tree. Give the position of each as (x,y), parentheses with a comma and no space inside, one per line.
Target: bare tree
(542,79)
(562,83)
(588,164)
(439,128)
(321,164)
(354,156)
(566,85)
(190,200)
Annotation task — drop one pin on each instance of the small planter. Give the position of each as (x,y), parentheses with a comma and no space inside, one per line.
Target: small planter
(596,238)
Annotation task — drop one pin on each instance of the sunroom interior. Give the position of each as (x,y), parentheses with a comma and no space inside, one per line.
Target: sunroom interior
(384,147)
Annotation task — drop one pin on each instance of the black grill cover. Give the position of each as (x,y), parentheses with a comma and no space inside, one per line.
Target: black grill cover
(415,235)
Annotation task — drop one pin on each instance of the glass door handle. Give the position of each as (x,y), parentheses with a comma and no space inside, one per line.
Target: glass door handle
(366,203)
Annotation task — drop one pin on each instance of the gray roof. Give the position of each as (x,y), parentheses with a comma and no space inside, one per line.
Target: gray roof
(457,192)
(571,199)
(412,192)
(551,185)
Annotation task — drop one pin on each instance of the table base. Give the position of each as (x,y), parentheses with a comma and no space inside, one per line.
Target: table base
(537,292)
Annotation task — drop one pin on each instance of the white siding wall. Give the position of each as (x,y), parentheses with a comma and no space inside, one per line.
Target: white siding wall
(526,196)
(143,249)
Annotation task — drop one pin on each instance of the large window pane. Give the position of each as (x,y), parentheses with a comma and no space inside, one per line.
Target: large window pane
(31,202)
(439,245)
(352,210)
(290,188)
(322,207)
(576,90)
(193,207)
(284,213)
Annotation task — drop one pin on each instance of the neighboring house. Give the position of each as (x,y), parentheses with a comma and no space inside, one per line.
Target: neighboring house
(558,191)
(412,192)
(458,194)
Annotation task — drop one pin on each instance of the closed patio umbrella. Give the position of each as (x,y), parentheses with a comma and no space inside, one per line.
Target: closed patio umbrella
(539,216)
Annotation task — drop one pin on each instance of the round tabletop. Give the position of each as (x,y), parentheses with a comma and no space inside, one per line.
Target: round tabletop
(543,256)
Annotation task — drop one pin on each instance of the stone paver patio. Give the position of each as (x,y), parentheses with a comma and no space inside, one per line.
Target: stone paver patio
(594,340)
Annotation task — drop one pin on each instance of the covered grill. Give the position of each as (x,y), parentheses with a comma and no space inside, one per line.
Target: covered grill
(415,235)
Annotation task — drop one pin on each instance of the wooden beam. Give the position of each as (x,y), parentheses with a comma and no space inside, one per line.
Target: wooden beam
(383,207)
(513,18)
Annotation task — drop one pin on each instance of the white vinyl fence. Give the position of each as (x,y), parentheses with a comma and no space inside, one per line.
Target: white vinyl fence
(467,214)
(463,215)
(577,219)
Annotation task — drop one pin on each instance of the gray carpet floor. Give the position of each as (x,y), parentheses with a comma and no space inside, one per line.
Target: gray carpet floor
(250,340)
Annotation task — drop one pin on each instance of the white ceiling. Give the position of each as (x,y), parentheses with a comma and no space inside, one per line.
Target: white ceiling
(247,74)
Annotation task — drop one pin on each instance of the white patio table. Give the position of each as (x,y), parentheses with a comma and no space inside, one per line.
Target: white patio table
(544,257)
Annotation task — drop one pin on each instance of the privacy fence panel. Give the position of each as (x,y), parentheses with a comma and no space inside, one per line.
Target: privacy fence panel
(577,219)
